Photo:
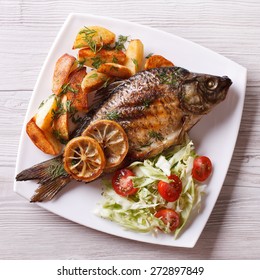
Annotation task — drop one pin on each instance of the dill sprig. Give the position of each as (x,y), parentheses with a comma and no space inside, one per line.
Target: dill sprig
(96,62)
(149,55)
(120,44)
(58,135)
(135,63)
(114,115)
(155,135)
(168,78)
(67,87)
(88,37)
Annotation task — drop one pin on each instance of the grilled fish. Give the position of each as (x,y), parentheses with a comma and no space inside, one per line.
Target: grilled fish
(155,107)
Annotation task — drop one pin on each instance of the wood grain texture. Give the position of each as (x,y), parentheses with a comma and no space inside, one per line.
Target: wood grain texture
(27,31)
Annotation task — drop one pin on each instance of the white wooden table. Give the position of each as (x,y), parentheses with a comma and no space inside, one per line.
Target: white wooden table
(27,31)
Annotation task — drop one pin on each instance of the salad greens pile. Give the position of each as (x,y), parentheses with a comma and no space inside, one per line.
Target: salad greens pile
(136,212)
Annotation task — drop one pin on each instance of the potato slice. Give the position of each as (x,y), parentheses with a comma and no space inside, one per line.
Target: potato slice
(156,61)
(93,37)
(93,81)
(61,72)
(61,123)
(75,96)
(94,60)
(134,56)
(115,70)
(44,140)
(44,115)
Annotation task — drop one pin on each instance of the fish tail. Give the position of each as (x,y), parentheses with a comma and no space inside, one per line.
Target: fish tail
(51,177)
(49,189)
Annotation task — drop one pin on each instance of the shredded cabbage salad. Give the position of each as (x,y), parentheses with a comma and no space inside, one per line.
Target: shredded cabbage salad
(136,212)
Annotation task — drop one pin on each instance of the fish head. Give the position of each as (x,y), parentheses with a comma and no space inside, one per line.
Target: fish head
(201,92)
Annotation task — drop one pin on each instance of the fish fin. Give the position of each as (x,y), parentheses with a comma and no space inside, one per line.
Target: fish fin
(51,176)
(43,171)
(49,189)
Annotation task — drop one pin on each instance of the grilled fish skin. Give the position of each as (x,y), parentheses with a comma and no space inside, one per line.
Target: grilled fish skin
(158,106)
(155,107)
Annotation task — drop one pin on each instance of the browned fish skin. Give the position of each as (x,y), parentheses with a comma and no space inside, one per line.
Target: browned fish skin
(156,107)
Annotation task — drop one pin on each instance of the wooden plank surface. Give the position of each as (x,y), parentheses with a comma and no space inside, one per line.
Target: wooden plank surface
(27,31)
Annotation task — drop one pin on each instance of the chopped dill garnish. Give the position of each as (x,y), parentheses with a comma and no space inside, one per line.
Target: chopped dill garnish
(135,63)
(168,78)
(155,135)
(96,62)
(112,115)
(114,60)
(66,87)
(88,37)
(146,103)
(81,63)
(69,108)
(93,76)
(120,44)
(42,103)
(60,110)
(57,134)
(149,55)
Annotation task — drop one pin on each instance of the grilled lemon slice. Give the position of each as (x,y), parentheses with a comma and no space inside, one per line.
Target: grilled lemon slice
(113,140)
(84,159)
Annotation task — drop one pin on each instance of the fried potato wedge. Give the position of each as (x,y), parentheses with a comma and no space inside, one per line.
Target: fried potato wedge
(44,140)
(94,60)
(134,56)
(93,81)
(115,70)
(75,95)
(93,37)
(61,123)
(61,72)
(156,61)
(44,115)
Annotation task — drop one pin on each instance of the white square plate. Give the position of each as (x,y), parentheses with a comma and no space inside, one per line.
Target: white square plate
(215,135)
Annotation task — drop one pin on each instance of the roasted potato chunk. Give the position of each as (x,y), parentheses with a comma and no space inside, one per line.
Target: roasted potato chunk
(93,81)
(44,140)
(61,123)
(134,56)
(44,115)
(93,37)
(115,70)
(61,72)
(94,60)
(75,96)
(156,61)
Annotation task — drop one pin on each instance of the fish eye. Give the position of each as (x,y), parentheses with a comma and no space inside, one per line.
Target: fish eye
(211,84)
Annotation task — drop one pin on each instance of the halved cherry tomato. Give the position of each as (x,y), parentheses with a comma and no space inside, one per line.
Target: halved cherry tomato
(122,184)
(169,216)
(202,168)
(170,191)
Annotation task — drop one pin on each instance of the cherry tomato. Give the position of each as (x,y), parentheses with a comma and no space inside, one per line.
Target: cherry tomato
(202,168)
(170,191)
(169,216)
(122,184)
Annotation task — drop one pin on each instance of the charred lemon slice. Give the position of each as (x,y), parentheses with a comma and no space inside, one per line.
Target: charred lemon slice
(112,138)
(84,159)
